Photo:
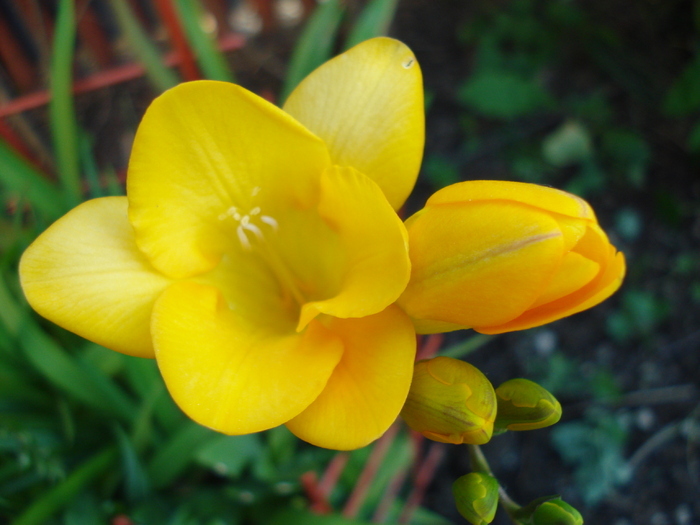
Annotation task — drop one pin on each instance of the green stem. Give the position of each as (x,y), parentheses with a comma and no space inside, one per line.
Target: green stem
(480,464)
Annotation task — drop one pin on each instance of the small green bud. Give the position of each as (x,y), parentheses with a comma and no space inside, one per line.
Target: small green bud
(525,405)
(549,510)
(556,512)
(476,497)
(450,401)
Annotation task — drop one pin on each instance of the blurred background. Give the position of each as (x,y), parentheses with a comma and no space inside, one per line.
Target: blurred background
(597,97)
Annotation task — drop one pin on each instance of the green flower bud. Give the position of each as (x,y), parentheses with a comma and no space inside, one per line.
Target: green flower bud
(524,405)
(450,401)
(556,512)
(476,497)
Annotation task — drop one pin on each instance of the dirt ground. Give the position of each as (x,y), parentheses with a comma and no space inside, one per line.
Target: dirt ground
(636,395)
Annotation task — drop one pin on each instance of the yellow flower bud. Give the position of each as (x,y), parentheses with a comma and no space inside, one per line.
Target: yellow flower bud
(450,401)
(500,256)
(525,405)
(476,497)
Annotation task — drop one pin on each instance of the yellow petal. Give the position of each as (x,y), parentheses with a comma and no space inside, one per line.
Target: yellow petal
(367,105)
(375,266)
(606,282)
(86,274)
(230,375)
(541,197)
(368,387)
(204,152)
(481,264)
(574,273)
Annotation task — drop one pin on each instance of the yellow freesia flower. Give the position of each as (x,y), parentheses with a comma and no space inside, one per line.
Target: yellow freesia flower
(257,255)
(499,256)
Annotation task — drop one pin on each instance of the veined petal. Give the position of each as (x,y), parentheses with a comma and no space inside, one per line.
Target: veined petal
(367,105)
(86,274)
(606,282)
(375,267)
(467,260)
(205,153)
(232,376)
(541,197)
(367,389)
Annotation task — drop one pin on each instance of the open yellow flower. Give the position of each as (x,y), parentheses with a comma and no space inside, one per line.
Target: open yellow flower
(499,256)
(257,255)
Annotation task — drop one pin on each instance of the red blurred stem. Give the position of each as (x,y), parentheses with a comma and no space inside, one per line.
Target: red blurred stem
(17,144)
(167,12)
(424,475)
(359,493)
(430,346)
(106,78)
(94,37)
(318,502)
(390,495)
(264,9)
(332,474)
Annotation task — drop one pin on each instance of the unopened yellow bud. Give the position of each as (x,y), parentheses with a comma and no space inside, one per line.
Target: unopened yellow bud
(525,405)
(476,497)
(499,256)
(450,401)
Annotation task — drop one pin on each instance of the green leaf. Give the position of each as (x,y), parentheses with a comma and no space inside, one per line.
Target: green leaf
(135,480)
(227,455)
(684,96)
(694,139)
(53,500)
(374,20)
(20,178)
(305,517)
(64,128)
(503,94)
(79,380)
(211,60)
(160,76)
(177,453)
(315,44)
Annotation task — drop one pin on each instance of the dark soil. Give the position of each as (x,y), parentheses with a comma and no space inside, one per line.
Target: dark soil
(653,372)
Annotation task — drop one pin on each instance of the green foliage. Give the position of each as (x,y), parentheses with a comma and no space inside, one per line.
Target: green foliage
(210,59)
(595,447)
(503,94)
(641,313)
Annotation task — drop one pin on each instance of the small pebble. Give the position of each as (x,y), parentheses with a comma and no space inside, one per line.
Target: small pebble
(545,342)
(684,516)
(659,518)
(646,419)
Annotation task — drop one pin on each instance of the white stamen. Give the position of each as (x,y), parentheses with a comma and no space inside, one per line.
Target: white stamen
(255,191)
(254,211)
(243,238)
(269,221)
(252,228)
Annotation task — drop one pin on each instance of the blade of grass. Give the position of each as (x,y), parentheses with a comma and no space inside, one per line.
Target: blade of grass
(58,497)
(374,20)
(18,176)
(466,347)
(175,455)
(210,59)
(315,44)
(89,165)
(141,45)
(80,380)
(64,129)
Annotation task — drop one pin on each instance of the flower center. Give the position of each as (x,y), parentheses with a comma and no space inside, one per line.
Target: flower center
(250,233)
